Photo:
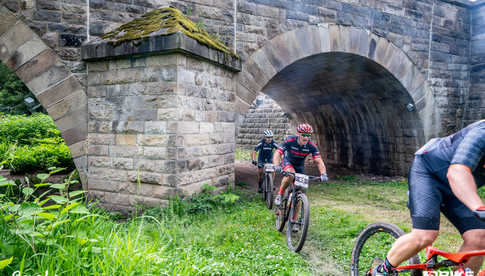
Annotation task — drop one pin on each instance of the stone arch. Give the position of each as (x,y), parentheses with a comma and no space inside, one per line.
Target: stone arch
(287,49)
(44,73)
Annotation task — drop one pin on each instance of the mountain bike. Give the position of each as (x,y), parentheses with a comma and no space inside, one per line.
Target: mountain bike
(268,185)
(372,241)
(295,209)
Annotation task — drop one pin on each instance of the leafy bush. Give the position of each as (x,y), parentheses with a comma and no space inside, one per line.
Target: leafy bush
(32,143)
(33,219)
(202,203)
(26,130)
(40,157)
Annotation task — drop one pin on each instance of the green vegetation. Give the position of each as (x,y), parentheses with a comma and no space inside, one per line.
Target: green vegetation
(13,92)
(230,233)
(226,234)
(31,143)
(243,154)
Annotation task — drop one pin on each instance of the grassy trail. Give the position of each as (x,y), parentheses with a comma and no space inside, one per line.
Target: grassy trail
(341,208)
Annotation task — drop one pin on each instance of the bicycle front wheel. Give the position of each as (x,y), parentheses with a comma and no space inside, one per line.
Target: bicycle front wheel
(298,221)
(281,213)
(374,242)
(268,190)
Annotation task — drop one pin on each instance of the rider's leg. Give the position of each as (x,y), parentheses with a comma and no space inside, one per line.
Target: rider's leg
(410,244)
(298,169)
(287,179)
(471,228)
(260,174)
(260,179)
(424,205)
(474,240)
(285,182)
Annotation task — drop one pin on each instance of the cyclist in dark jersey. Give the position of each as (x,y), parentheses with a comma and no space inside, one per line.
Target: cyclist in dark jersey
(444,176)
(265,148)
(293,151)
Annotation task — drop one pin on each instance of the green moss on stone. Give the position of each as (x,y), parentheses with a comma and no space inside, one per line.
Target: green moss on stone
(163,21)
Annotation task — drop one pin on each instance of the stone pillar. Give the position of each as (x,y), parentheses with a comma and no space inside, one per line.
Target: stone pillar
(161,119)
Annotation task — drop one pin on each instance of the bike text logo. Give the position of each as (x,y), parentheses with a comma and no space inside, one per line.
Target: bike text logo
(447,273)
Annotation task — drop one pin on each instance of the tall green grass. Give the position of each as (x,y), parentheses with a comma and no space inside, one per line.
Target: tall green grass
(236,239)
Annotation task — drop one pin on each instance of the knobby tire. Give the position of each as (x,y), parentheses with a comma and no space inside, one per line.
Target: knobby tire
(303,218)
(364,236)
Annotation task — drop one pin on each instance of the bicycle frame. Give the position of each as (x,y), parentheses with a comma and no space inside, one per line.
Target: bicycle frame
(452,259)
(294,190)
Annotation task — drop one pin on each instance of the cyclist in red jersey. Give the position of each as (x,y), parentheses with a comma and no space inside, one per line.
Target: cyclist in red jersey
(293,152)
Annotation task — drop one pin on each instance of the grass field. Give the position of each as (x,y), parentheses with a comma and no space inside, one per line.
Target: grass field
(234,236)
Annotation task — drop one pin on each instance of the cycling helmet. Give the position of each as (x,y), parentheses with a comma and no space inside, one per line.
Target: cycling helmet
(268,133)
(304,128)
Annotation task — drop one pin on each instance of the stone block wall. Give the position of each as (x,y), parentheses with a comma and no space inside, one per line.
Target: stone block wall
(62,25)
(449,70)
(435,34)
(476,100)
(267,115)
(158,126)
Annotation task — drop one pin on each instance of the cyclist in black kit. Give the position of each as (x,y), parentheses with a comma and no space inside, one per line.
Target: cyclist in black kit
(444,176)
(293,151)
(265,148)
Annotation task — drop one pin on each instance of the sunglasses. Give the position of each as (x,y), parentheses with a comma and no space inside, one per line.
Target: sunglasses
(305,135)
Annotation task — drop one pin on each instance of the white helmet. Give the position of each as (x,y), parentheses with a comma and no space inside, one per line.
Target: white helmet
(268,133)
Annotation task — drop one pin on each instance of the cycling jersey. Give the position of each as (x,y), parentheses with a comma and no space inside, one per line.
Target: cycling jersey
(295,154)
(265,151)
(465,147)
(429,188)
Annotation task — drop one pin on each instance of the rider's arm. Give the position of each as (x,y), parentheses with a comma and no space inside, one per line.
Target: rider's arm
(279,153)
(256,149)
(318,159)
(277,157)
(320,165)
(253,155)
(466,158)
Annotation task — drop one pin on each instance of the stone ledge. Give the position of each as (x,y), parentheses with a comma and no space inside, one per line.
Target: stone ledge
(156,45)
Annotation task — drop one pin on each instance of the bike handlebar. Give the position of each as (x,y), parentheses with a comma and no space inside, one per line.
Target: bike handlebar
(311,177)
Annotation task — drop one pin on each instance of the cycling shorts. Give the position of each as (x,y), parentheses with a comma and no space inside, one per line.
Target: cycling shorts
(299,168)
(430,193)
(262,161)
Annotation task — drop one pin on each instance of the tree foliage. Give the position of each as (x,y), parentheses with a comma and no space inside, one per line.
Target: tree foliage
(13,92)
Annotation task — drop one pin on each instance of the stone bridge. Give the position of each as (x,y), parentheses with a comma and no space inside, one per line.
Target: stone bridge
(147,119)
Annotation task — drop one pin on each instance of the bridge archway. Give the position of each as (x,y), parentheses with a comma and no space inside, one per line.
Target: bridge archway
(368,102)
(45,74)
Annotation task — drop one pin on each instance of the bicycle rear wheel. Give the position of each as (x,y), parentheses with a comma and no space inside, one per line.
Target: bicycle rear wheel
(296,239)
(268,190)
(374,242)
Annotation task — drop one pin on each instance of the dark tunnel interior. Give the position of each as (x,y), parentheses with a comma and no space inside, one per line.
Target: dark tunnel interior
(364,119)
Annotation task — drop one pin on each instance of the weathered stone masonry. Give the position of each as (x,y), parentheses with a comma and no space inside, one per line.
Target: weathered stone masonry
(267,115)
(161,117)
(375,78)
(476,100)
(158,127)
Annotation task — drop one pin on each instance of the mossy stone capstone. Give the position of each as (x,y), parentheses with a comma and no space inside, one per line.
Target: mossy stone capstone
(163,21)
